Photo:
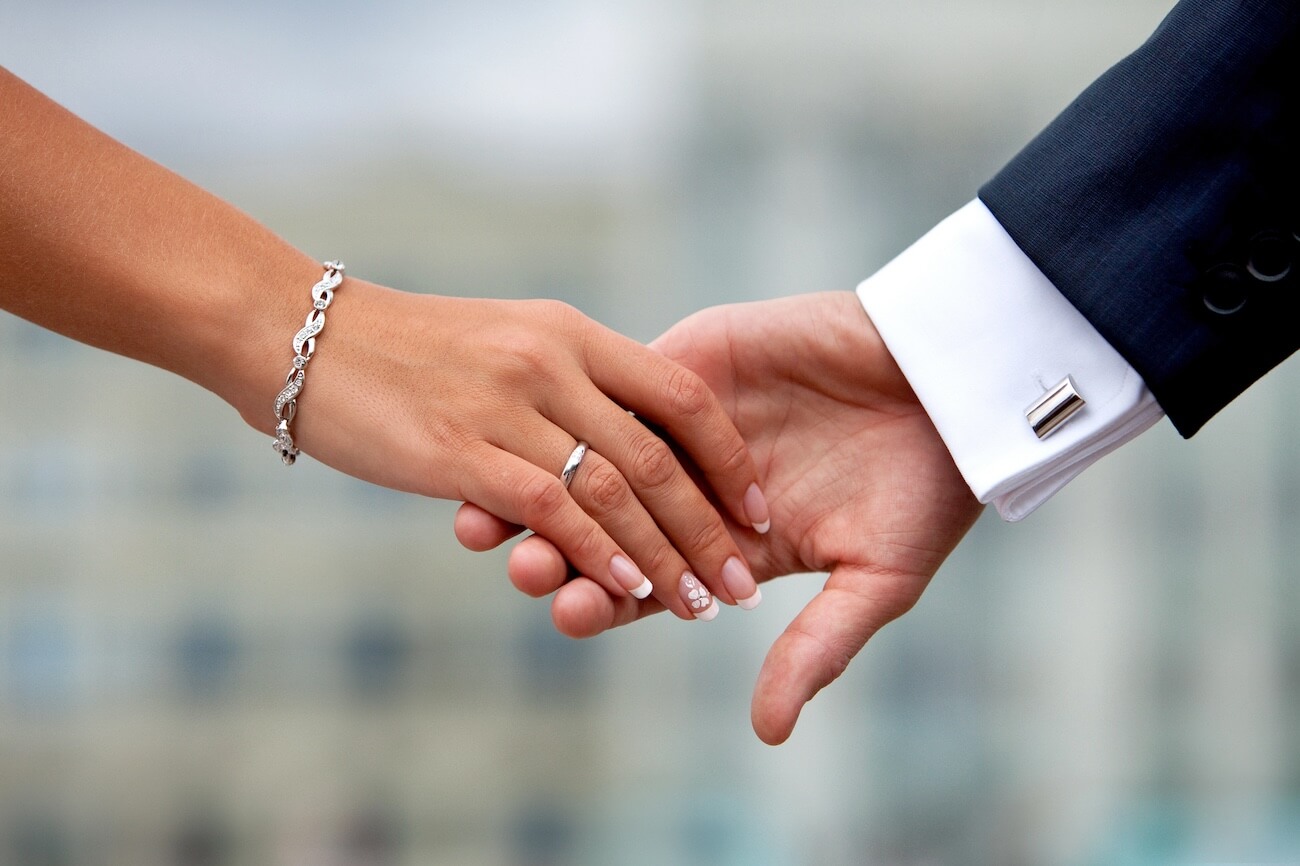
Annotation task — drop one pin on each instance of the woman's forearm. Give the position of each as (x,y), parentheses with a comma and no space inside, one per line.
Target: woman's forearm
(111,249)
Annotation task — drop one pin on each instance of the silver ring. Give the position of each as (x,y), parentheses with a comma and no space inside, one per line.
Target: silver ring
(575,460)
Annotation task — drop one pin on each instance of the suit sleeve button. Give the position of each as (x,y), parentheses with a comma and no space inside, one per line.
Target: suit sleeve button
(1270,256)
(1225,289)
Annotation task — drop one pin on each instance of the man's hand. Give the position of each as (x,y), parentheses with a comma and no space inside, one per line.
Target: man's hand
(858,481)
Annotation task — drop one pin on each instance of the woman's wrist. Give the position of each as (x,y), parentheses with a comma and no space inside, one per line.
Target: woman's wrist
(244,355)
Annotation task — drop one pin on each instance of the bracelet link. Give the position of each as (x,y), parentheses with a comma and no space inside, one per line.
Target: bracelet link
(304,347)
(283,443)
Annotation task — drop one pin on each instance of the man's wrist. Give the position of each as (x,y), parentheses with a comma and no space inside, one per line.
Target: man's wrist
(981,335)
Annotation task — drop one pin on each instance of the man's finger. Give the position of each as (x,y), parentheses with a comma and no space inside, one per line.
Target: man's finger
(537,568)
(582,608)
(479,530)
(816,648)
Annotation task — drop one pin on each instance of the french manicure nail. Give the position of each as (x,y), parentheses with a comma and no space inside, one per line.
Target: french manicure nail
(629,577)
(756,510)
(697,597)
(740,583)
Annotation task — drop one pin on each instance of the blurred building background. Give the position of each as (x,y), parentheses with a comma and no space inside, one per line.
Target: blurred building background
(206,659)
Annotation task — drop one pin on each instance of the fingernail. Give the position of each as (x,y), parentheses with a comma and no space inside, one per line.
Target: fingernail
(756,510)
(629,577)
(740,583)
(697,597)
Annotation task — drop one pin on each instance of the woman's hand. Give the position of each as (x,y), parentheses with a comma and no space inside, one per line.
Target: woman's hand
(464,399)
(483,401)
(862,486)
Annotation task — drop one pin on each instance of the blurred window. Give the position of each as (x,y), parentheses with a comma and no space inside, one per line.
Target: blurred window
(377,654)
(39,840)
(206,653)
(201,840)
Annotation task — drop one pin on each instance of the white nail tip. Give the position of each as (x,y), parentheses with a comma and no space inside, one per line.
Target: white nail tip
(643,590)
(752,602)
(762,528)
(708,613)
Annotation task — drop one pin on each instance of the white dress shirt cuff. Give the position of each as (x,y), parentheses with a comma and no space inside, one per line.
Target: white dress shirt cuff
(981,334)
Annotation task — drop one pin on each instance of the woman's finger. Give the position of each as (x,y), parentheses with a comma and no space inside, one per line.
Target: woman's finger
(648,467)
(518,491)
(600,488)
(535,566)
(680,402)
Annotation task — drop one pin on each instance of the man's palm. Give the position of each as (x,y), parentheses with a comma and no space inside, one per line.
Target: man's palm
(858,481)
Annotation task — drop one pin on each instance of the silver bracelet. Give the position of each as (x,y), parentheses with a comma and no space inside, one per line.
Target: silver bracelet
(304,346)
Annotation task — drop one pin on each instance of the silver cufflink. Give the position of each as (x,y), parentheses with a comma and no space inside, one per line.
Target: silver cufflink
(1054,408)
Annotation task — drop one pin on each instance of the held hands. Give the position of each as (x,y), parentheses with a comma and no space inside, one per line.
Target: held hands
(860,485)
(483,401)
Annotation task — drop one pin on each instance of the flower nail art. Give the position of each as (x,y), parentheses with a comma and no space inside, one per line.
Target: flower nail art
(697,597)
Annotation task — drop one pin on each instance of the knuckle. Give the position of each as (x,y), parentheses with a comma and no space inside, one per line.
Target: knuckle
(445,448)
(831,657)
(736,458)
(541,499)
(709,535)
(587,547)
(606,488)
(653,462)
(523,352)
(895,606)
(889,596)
(558,309)
(529,354)
(661,559)
(686,394)
(556,313)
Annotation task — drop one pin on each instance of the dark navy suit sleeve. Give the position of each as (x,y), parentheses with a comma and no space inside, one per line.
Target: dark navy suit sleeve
(1164,203)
